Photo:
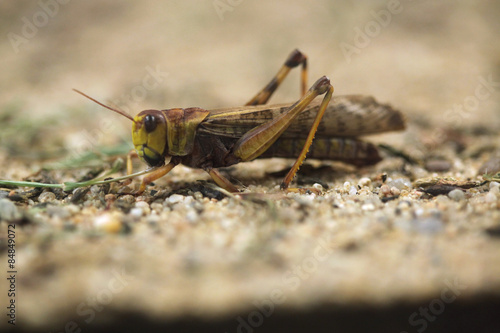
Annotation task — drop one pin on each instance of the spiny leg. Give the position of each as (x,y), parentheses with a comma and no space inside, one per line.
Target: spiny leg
(154,175)
(295,59)
(259,139)
(221,181)
(295,167)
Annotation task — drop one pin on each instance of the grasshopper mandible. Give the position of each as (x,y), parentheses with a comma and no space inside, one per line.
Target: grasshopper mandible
(211,139)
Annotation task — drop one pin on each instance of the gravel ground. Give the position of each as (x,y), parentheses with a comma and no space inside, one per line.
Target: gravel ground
(411,244)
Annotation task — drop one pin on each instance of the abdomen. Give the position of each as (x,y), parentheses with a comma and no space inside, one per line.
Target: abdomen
(351,151)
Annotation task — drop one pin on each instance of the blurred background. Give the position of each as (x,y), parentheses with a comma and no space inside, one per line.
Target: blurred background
(424,57)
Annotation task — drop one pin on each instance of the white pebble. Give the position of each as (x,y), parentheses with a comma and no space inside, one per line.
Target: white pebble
(385,190)
(368,206)
(192,216)
(353,191)
(400,183)
(157,207)
(442,200)
(404,205)
(429,225)
(419,212)
(456,195)
(136,212)
(490,198)
(494,184)
(318,187)
(46,197)
(153,219)
(495,190)
(365,181)
(175,198)
(8,210)
(58,211)
(395,191)
(144,206)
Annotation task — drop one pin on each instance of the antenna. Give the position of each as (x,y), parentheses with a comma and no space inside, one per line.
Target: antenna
(107,107)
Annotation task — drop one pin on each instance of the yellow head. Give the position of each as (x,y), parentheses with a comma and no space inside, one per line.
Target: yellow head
(149,135)
(159,134)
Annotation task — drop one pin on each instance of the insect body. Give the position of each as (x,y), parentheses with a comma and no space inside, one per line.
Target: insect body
(210,139)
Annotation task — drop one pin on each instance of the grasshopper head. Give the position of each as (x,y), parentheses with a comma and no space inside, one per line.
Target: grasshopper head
(149,135)
(160,134)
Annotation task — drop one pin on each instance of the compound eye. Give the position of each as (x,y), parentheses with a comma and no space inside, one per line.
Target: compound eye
(149,123)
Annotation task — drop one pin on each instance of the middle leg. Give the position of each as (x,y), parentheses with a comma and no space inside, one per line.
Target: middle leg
(295,59)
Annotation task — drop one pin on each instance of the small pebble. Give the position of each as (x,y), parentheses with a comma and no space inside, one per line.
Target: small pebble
(136,212)
(494,185)
(419,212)
(365,181)
(157,207)
(395,191)
(153,219)
(368,206)
(404,204)
(456,195)
(95,189)
(385,190)
(490,197)
(442,200)
(47,197)
(192,216)
(58,211)
(142,204)
(175,198)
(318,187)
(110,197)
(438,165)
(400,183)
(109,223)
(429,225)
(127,198)
(353,190)
(72,209)
(305,199)
(8,210)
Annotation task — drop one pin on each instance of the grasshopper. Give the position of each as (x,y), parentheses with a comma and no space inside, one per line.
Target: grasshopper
(211,139)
